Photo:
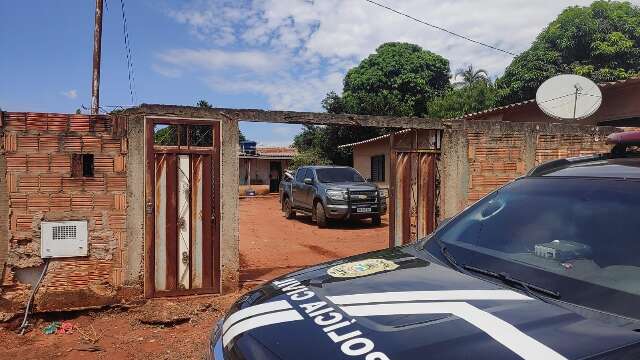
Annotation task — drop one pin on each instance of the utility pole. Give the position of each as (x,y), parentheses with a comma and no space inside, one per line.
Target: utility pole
(97,46)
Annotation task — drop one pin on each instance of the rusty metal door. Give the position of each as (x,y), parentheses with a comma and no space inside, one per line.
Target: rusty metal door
(415,196)
(182,242)
(413,185)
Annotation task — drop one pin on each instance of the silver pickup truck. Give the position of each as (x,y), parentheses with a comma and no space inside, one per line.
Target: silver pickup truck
(332,192)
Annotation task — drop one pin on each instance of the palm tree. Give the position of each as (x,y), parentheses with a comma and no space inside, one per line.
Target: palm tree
(470,75)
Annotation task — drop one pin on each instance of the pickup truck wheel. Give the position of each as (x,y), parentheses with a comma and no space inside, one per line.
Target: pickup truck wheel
(289,213)
(321,217)
(376,220)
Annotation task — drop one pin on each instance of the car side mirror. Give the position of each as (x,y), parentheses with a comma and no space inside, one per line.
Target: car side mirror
(308,181)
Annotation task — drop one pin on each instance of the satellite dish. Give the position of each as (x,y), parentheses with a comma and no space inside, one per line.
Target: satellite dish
(569,97)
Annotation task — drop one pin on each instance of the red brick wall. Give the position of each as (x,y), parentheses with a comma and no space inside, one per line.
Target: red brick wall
(496,157)
(557,146)
(38,149)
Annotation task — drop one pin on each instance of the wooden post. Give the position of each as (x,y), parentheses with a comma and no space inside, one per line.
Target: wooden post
(391,206)
(97,46)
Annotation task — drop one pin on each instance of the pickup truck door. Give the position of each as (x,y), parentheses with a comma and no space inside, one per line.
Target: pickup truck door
(298,187)
(309,190)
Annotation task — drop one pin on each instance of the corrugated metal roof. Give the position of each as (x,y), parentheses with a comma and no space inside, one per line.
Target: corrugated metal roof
(494,110)
(625,82)
(373,139)
(271,152)
(610,84)
(276,151)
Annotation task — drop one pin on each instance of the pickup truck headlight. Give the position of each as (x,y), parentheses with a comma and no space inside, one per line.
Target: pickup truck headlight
(384,193)
(336,194)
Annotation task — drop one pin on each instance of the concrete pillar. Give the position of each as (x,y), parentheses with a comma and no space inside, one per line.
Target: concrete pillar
(454,173)
(134,262)
(229,227)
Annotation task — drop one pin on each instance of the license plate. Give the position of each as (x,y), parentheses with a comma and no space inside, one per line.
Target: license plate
(363,210)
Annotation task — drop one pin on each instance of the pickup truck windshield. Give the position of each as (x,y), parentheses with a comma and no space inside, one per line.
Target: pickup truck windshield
(337,175)
(576,236)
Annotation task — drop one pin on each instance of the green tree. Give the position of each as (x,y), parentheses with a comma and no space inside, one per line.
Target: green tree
(600,41)
(469,75)
(399,79)
(477,96)
(204,104)
(312,137)
(309,157)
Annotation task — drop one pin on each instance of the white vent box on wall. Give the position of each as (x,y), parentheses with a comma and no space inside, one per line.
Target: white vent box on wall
(63,239)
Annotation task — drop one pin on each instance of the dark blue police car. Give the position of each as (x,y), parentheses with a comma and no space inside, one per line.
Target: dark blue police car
(546,267)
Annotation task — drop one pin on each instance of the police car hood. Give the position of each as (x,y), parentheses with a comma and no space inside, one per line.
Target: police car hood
(407,307)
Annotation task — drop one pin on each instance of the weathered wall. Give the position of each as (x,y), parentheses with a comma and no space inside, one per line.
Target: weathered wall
(4,214)
(38,151)
(453,168)
(362,158)
(134,265)
(260,170)
(229,229)
(479,156)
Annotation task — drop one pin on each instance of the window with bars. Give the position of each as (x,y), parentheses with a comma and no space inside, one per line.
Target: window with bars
(377,168)
(186,135)
(82,165)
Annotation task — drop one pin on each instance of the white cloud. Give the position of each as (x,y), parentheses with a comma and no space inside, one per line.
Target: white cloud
(214,59)
(284,130)
(283,91)
(295,51)
(167,71)
(71,94)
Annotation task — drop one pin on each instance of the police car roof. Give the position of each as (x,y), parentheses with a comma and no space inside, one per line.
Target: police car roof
(600,166)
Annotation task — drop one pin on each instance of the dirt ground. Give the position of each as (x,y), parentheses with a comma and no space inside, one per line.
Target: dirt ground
(271,245)
(178,328)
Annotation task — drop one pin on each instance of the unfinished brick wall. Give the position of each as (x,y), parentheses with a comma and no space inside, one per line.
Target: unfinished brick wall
(39,149)
(557,146)
(494,159)
(502,152)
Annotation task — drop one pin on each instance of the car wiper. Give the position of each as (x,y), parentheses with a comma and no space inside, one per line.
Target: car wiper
(531,289)
(447,255)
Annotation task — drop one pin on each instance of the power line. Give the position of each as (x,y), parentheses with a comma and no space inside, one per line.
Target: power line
(442,29)
(127,46)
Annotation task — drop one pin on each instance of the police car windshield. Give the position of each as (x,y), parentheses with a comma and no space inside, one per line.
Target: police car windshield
(578,236)
(337,175)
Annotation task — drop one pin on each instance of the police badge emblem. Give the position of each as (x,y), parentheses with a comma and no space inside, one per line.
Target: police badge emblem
(361,268)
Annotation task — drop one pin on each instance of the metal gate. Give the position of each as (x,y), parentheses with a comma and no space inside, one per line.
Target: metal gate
(413,185)
(182,229)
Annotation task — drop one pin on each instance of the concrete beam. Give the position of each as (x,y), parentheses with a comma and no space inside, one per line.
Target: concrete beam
(290,117)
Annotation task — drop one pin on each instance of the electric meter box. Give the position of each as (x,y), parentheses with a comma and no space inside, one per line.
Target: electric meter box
(63,239)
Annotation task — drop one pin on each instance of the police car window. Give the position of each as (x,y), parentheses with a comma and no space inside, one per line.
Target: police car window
(586,229)
(300,174)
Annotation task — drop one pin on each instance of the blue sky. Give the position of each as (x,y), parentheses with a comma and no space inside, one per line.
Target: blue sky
(269,54)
